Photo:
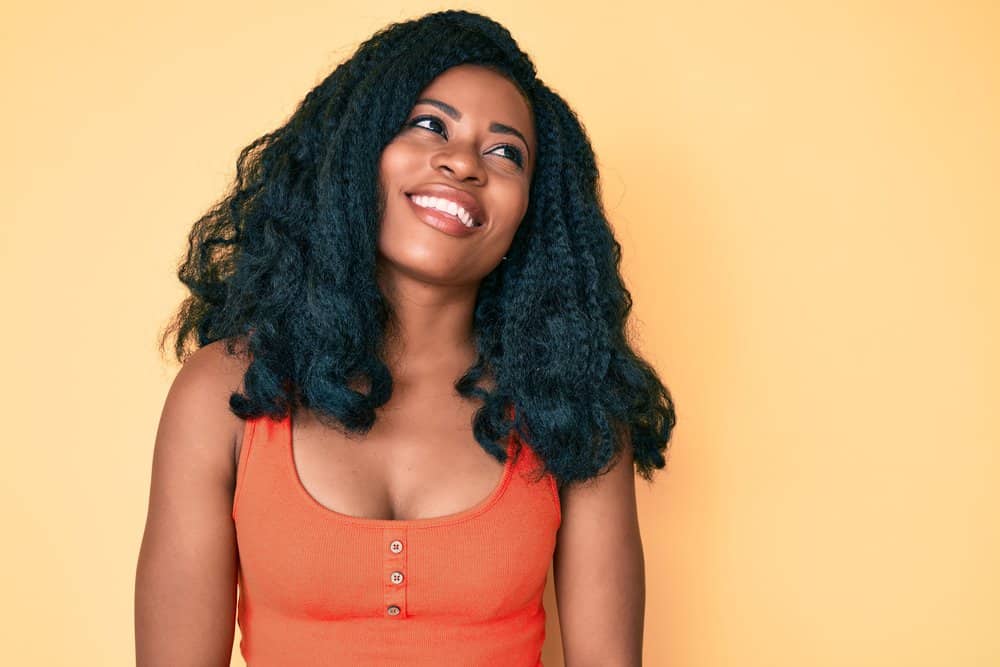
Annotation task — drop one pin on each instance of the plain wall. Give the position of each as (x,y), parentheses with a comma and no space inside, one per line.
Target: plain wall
(806,195)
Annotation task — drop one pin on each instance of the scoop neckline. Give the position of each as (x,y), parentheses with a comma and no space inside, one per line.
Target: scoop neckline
(423,522)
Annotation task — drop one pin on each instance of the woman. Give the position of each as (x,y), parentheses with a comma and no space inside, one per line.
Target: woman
(412,388)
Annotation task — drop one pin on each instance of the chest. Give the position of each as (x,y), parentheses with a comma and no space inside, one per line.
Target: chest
(416,462)
(480,557)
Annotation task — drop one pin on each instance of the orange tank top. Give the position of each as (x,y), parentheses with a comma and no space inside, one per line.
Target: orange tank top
(317,587)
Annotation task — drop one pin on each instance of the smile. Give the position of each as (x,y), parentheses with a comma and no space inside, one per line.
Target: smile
(443,214)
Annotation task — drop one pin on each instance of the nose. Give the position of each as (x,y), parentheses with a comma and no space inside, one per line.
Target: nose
(461,160)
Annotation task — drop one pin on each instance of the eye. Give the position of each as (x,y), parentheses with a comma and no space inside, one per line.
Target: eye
(428,122)
(515,153)
(427,119)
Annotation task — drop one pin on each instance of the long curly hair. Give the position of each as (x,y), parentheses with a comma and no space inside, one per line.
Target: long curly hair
(285,263)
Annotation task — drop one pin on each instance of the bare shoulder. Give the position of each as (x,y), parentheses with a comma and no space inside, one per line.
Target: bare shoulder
(214,363)
(185,592)
(599,568)
(210,375)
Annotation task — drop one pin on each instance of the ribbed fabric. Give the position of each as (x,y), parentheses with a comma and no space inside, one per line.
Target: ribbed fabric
(317,587)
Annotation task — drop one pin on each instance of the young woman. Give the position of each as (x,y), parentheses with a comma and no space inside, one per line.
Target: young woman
(410,388)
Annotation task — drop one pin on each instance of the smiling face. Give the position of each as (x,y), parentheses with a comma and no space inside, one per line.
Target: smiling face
(466,151)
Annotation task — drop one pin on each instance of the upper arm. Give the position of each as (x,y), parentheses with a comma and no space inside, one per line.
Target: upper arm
(185,584)
(599,571)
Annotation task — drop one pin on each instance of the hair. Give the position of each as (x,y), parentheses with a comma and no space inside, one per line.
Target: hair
(286,263)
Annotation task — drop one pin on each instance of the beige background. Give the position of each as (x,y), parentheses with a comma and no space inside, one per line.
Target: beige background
(806,193)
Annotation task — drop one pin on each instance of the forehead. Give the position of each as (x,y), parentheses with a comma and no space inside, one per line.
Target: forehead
(482,93)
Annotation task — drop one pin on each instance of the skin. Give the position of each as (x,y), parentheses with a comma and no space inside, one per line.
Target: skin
(185,600)
(432,278)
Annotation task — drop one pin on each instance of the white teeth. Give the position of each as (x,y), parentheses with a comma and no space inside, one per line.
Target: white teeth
(445,205)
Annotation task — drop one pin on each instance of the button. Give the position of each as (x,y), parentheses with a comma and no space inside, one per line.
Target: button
(396,577)
(393,610)
(395,546)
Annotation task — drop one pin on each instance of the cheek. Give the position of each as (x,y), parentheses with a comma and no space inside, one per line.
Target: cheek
(392,164)
(513,203)
(396,165)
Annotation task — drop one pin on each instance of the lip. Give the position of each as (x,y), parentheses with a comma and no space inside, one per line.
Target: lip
(464,199)
(446,223)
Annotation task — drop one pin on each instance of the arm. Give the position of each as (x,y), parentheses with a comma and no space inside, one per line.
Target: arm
(599,570)
(185,582)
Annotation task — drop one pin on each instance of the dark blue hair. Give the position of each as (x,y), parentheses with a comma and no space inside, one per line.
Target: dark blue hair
(286,263)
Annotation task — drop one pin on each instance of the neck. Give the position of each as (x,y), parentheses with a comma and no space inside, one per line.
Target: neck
(429,338)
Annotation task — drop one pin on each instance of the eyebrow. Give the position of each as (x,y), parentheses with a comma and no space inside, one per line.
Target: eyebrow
(456,114)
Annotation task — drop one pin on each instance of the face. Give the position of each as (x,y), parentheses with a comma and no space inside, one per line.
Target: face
(468,146)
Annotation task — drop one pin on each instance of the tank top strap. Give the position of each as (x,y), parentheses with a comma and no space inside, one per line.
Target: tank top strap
(258,453)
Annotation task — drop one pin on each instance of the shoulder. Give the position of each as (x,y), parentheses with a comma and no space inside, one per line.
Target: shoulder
(215,364)
(612,490)
(187,566)
(202,388)
(599,518)
(599,567)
